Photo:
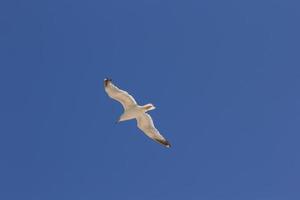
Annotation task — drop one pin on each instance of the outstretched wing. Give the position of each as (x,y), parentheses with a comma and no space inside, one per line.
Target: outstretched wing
(145,123)
(122,96)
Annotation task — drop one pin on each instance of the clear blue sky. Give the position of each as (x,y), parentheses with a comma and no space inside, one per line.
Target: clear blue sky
(224,76)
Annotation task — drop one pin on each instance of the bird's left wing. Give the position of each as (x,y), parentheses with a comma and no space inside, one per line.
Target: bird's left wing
(145,123)
(120,95)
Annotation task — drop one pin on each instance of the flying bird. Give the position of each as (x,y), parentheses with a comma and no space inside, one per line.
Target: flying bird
(134,111)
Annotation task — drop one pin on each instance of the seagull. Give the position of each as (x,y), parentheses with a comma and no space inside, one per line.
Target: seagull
(134,111)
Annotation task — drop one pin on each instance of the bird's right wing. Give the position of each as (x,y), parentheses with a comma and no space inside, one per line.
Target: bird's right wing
(145,123)
(120,95)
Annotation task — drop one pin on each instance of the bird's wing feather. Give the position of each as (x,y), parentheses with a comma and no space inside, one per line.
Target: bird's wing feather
(145,123)
(120,95)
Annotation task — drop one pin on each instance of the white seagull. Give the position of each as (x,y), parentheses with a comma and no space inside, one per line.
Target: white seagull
(133,111)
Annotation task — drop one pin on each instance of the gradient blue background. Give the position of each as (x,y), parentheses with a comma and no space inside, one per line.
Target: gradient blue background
(224,76)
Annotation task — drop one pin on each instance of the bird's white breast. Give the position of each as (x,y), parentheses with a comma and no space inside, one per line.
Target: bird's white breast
(131,113)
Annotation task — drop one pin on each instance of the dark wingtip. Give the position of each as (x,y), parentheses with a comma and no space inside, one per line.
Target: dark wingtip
(106,81)
(166,143)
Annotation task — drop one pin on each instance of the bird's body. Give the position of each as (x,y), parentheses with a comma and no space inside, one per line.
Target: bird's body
(131,113)
(134,111)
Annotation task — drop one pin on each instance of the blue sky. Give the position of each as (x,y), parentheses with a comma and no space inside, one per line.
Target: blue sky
(224,76)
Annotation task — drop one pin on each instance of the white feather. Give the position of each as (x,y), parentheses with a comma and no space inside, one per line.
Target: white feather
(122,96)
(133,110)
(145,123)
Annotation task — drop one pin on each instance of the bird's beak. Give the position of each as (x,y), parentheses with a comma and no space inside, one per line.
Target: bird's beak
(117,121)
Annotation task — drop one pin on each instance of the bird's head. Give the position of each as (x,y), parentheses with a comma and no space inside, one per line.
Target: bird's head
(149,106)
